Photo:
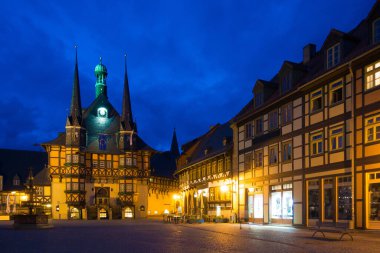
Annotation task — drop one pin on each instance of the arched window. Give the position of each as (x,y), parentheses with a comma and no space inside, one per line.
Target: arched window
(128,213)
(376,31)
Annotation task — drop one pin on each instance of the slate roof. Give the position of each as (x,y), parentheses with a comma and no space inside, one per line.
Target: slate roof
(194,151)
(18,162)
(355,42)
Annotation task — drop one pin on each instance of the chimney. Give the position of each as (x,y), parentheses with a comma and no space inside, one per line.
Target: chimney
(308,52)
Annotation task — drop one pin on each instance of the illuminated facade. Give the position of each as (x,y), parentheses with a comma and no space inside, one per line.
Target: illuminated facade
(205,175)
(307,144)
(100,168)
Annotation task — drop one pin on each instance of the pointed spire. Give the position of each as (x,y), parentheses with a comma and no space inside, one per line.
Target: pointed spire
(174,146)
(76,106)
(126,114)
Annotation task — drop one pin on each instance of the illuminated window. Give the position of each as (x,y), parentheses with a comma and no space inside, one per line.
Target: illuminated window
(376,31)
(273,154)
(248,130)
(273,120)
(220,165)
(316,143)
(214,167)
(286,114)
(287,152)
(372,75)
(316,100)
(333,55)
(259,126)
(258,159)
(68,158)
(101,164)
(372,128)
(95,164)
(102,112)
(336,92)
(75,158)
(39,190)
(336,138)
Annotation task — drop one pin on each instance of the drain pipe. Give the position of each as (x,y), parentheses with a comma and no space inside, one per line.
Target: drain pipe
(353,153)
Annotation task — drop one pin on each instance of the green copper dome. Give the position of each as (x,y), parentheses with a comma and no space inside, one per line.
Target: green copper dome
(100,68)
(101,76)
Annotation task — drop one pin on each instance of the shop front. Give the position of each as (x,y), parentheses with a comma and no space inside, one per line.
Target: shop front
(374,200)
(281,204)
(329,199)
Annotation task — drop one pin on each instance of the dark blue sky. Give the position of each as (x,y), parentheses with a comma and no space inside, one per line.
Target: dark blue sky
(191,64)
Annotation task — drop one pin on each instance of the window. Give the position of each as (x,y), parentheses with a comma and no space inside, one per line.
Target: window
(68,158)
(39,190)
(248,161)
(16,180)
(344,198)
(316,143)
(287,152)
(273,120)
(75,158)
(109,164)
(328,192)
(248,130)
(336,92)
(286,114)
(336,138)
(121,161)
(372,75)
(258,159)
(95,164)
(273,153)
(214,167)
(286,83)
(101,164)
(333,55)
(220,165)
(376,31)
(316,101)
(259,99)
(372,128)
(313,199)
(259,126)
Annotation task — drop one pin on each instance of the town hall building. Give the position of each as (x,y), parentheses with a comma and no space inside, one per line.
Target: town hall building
(100,168)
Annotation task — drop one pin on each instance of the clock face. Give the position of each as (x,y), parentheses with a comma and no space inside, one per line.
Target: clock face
(102,112)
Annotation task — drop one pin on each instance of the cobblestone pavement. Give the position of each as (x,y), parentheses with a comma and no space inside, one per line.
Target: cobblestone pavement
(156,236)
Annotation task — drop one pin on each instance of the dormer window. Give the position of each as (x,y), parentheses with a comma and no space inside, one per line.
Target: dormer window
(286,83)
(376,31)
(333,55)
(16,180)
(259,99)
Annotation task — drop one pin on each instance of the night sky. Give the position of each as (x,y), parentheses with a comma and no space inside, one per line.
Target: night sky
(191,64)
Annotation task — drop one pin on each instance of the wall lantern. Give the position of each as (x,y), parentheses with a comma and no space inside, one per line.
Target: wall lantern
(57,208)
(142,208)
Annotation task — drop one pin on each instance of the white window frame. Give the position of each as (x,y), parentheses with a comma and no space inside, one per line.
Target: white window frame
(372,75)
(333,56)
